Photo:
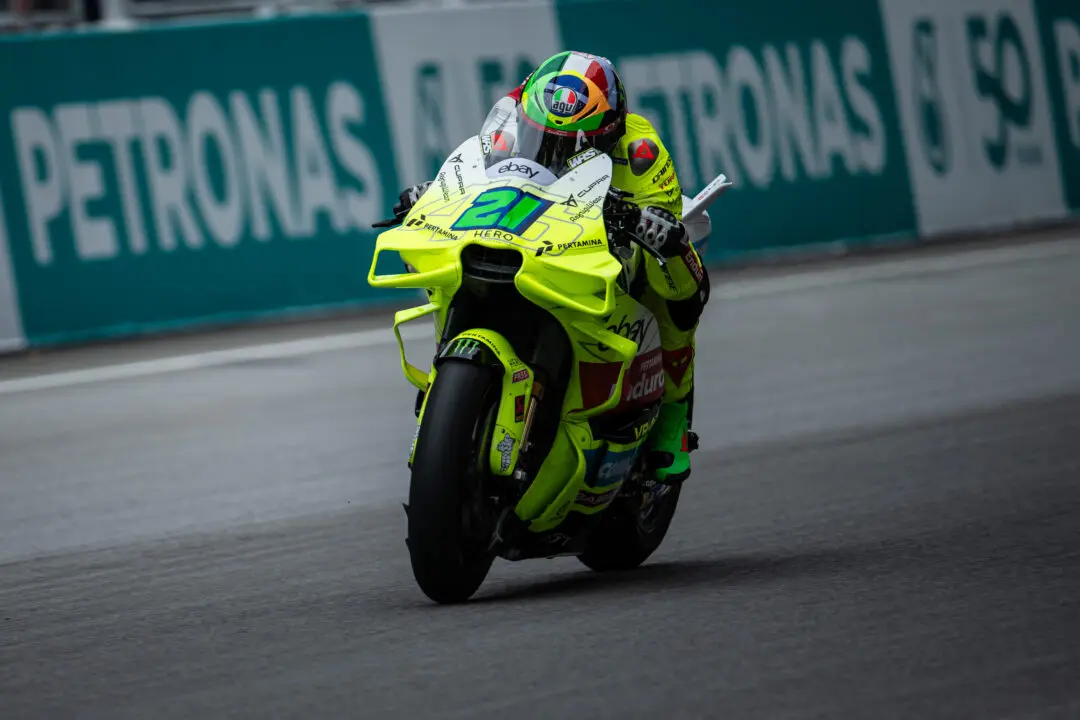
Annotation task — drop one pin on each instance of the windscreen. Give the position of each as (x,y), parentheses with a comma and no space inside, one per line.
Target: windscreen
(515,145)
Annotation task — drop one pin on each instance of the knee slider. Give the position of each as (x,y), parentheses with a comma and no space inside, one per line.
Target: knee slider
(685,313)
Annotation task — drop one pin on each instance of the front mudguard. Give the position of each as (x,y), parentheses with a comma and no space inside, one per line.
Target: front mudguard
(490,349)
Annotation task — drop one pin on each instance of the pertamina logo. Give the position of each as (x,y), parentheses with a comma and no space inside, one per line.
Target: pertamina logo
(421,223)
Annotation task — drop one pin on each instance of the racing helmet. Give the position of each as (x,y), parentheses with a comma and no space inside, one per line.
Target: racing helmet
(572,102)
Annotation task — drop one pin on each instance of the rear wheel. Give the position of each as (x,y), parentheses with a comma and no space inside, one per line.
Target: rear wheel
(631,530)
(450,523)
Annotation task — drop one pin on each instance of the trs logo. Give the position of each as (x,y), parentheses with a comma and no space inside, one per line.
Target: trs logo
(1003,77)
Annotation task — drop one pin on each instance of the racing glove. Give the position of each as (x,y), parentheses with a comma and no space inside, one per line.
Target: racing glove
(408,197)
(661,231)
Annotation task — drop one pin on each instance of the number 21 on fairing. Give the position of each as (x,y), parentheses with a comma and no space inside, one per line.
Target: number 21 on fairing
(507,209)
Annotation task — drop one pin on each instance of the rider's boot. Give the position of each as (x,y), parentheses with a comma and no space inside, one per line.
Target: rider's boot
(669,443)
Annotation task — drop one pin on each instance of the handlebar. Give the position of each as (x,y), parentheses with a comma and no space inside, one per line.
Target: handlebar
(617,210)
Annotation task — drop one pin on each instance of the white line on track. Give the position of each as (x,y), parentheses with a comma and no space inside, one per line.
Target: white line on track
(195,361)
(803,280)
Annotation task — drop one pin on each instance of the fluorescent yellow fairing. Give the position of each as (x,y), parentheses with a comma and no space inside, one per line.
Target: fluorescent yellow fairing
(413,374)
(567,269)
(551,494)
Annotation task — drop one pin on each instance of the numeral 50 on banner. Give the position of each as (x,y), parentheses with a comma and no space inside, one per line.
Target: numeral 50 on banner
(975,109)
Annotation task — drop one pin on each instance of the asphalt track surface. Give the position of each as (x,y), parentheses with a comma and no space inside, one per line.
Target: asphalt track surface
(882,523)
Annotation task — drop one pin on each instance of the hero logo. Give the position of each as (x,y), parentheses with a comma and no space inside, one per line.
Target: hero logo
(523,170)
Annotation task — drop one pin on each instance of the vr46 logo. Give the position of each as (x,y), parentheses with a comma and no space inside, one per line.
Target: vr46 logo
(1002,75)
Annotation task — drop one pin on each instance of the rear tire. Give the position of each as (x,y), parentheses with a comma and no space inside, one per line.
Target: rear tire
(449,524)
(625,539)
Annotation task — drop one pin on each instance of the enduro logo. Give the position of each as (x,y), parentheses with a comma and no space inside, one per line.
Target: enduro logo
(647,386)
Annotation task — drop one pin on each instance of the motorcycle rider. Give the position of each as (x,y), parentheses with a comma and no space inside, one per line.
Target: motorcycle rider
(574,97)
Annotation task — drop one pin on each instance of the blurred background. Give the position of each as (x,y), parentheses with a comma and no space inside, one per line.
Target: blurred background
(204,425)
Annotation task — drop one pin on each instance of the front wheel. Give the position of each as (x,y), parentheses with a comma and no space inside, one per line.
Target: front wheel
(450,523)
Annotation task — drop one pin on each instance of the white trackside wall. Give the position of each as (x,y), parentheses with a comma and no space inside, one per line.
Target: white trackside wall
(11,333)
(975,112)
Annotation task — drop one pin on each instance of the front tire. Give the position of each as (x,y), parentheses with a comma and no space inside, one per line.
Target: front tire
(449,523)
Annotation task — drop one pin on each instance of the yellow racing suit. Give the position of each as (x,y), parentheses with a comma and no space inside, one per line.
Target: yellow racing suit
(676,292)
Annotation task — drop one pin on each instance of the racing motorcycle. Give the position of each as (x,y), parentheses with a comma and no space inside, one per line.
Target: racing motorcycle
(547,374)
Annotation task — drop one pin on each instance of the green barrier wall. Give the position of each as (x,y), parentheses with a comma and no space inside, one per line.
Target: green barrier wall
(171,175)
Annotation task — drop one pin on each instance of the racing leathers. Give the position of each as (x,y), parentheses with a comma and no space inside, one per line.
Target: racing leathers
(676,292)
